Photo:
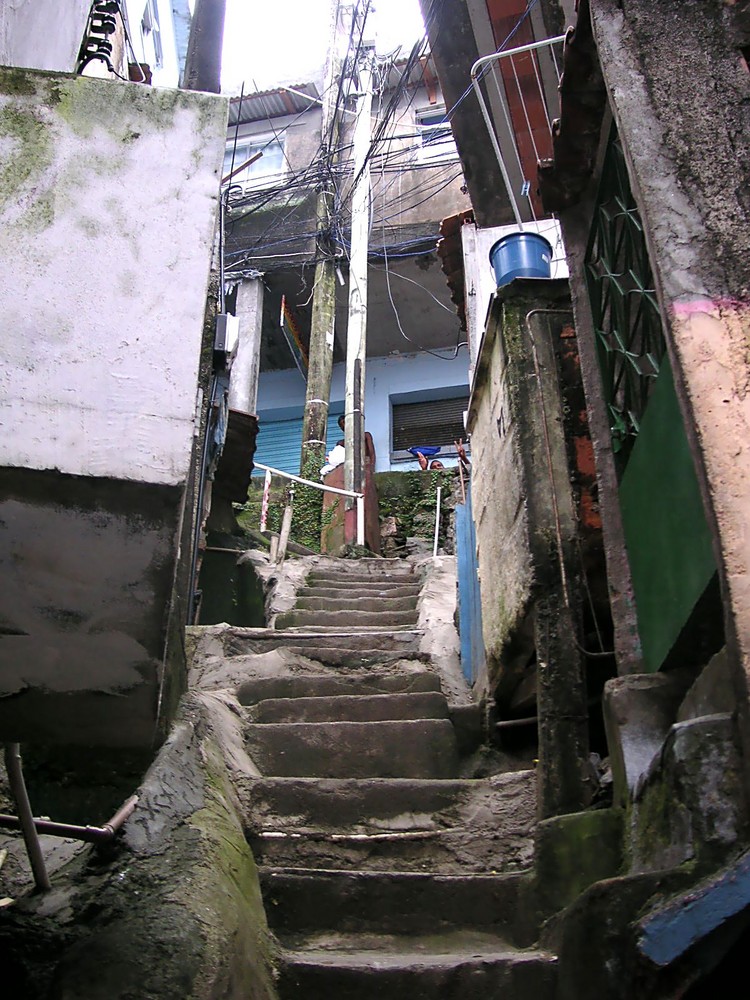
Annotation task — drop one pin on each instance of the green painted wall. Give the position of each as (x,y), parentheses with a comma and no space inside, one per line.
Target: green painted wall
(667,537)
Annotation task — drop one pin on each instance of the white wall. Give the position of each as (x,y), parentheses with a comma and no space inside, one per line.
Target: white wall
(106,238)
(281,395)
(42,34)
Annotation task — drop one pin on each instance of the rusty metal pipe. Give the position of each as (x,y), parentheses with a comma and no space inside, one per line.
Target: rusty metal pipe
(89,834)
(25,815)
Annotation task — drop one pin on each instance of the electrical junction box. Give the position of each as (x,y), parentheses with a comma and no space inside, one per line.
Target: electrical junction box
(227,336)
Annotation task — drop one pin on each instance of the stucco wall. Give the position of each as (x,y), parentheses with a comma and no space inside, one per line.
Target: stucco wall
(43,34)
(107,210)
(281,395)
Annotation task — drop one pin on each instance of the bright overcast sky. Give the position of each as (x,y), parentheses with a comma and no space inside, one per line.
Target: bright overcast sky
(270,42)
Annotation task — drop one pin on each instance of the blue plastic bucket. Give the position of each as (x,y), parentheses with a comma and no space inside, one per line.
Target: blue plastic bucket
(521,255)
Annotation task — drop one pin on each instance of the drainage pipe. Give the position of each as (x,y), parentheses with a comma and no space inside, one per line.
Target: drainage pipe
(91,834)
(25,815)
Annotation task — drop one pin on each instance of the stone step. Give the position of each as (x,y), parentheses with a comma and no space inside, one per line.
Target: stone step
(354,602)
(338,581)
(478,825)
(351,708)
(262,640)
(366,569)
(324,685)
(457,965)
(347,619)
(422,748)
(362,590)
(371,631)
(306,901)
(357,658)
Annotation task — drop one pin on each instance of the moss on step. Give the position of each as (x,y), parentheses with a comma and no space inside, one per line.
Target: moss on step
(573,852)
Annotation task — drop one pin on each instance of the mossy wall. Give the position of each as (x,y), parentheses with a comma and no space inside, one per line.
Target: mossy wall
(410,498)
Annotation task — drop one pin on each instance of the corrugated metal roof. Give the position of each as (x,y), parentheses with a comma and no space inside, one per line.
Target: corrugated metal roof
(283,101)
(273,103)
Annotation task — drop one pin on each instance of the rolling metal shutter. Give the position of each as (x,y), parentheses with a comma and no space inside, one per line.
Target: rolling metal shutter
(280,442)
(432,422)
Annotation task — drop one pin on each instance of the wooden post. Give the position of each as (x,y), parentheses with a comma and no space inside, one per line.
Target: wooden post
(286,527)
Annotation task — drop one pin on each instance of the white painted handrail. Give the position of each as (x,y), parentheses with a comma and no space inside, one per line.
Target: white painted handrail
(359,497)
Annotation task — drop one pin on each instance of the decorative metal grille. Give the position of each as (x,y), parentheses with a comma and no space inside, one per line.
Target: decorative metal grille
(630,338)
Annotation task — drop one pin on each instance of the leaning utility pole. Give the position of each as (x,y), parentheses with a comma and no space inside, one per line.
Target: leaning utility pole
(320,363)
(203,61)
(356,331)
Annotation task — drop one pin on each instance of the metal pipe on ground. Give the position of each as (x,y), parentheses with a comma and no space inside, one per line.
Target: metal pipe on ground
(89,834)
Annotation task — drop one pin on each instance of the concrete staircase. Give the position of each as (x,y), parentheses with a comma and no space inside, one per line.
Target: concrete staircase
(386,868)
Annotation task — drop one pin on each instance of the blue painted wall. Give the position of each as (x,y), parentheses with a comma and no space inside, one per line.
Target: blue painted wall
(402,377)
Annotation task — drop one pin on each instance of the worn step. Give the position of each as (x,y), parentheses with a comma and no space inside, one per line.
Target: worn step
(351,708)
(370,631)
(422,748)
(338,581)
(354,602)
(356,658)
(363,590)
(457,965)
(324,685)
(366,569)
(345,619)
(305,901)
(262,640)
(378,824)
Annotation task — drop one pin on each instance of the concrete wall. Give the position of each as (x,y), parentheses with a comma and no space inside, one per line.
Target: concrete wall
(44,34)
(511,491)
(107,214)
(281,395)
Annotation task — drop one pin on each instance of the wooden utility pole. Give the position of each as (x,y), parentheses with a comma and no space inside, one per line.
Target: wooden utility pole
(356,331)
(203,60)
(320,364)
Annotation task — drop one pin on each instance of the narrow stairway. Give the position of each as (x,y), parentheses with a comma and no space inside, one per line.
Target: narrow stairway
(386,868)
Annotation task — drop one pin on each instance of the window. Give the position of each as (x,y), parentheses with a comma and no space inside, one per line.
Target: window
(435,136)
(431,423)
(266,168)
(151,32)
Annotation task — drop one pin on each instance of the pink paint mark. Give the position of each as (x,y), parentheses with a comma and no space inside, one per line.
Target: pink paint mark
(709,306)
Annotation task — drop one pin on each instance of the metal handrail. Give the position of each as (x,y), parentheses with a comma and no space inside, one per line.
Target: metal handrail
(475,80)
(359,497)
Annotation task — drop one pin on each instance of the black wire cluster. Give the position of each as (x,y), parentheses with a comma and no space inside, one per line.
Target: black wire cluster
(289,236)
